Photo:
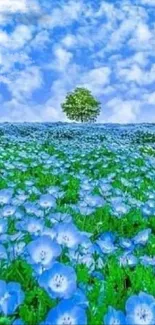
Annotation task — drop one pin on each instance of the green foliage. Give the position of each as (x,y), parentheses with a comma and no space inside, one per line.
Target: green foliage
(18,271)
(36,306)
(120,283)
(82,273)
(81,106)
(102,220)
(5,321)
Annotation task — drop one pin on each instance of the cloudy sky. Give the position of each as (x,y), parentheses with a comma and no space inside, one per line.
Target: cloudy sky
(48,48)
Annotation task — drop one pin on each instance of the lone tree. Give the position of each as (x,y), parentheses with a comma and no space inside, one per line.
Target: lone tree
(81,106)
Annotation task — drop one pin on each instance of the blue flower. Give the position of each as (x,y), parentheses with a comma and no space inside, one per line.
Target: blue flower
(79,298)
(85,209)
(16,249)
(147,260)
(32,209)
(11,296)
(142,237)
(106,243)
(67,235)
(5,196)
(147,211)
(31,225)
(49,232)
(60,217)
(3,226)
(43,251)
(94,201)
(47,201)
(59,281)
(18,322)
(126,243)
(98,275)
(114,317)
(119,209)
(3,252)
(128,259)
(55,191)
(140,309)
(8,210)
(66,313)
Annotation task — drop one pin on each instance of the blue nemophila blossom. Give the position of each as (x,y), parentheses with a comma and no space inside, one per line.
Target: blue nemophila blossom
(16,236)
(19,214)
(128,259)
(3,252)
(59,281)
(18,322)
(43,251)
(29,183)
(147,211)
(106,243)
(83,255)
(11,296)
(47,201)
(5,196)
(19,199)
(56,192)
(88,260)
(140,309)
(147,260)
(126,243)
(85,209)
(32,225)
(60,217)
(3,226)
(119,209)
(32,209)
(94,201)
(16,249)
(34,190)
(86,186)
(66,313)
(49,232)
(105,188)
(8,210)
(98,275)
(114,317)
(151,203)
(142,237)
(67,235)
(79,298)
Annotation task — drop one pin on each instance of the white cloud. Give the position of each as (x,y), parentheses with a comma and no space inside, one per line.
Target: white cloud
(113,44)
(123,111)
(133,73)
(22,84)
(17,39)
(62,59)
(143,33)
(62,16)
(8,61)
(138,75)
(96,79)
(69,41)
(149,98)
(147,2)
(18,6)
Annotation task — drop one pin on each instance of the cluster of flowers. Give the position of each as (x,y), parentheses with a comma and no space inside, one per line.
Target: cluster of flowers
(53,233)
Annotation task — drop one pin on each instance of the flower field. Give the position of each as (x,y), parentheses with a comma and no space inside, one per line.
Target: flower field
(77,224)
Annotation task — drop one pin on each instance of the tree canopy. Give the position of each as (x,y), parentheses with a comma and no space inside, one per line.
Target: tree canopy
(80,105)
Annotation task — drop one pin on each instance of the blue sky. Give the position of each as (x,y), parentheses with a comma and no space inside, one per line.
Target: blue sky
(48,48)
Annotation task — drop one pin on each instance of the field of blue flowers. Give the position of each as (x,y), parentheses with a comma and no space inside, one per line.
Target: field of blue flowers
(77,224)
